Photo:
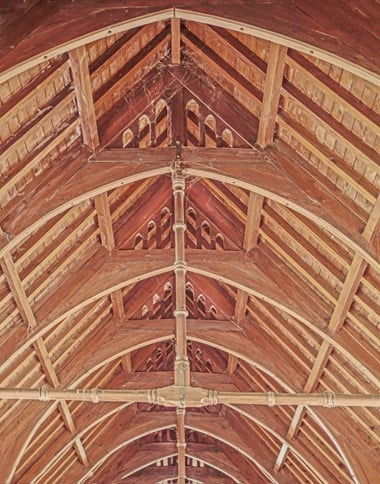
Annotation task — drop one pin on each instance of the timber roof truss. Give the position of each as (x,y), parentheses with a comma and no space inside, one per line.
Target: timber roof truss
(189,244)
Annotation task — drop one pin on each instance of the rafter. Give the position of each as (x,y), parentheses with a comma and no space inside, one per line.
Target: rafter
(301,193)
(231,268)
(108,241)
(350,287)
(25,309)
(251,237)
(83,91)
(271,98)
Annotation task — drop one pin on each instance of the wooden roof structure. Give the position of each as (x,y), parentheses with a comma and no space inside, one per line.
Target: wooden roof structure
(190,243)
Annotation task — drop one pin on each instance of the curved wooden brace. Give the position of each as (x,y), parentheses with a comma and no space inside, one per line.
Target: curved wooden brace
(234,269)
(297,453)
(217,339)
(217,433)
(146,464)
(192,455)
(231,268)
(202,17)
(310,208)
(259,176)
(95,178)
(8,465)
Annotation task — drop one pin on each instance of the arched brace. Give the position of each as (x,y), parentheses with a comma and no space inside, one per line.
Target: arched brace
(197,428)
(221,345)
(303,205)
(201,17)
(196,264)
(190,453)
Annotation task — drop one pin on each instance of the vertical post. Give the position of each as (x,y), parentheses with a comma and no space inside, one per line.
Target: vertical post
(182,366)
(176,40)
(181,445)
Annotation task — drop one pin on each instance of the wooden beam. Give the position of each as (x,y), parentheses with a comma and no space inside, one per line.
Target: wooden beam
(273,82)
(350,287)
(251,236)
(105,221)
(126,363)
(108,241)
(231,268)
(244,168)
(28,316)
(231,364)
(83,90)
(178,118)
(176,40)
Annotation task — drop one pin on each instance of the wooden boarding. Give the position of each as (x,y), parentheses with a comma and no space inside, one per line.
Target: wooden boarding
(189,241)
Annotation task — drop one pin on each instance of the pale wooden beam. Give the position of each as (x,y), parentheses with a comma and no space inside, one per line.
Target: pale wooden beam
(17,289)
(181,445)
(272,89)
(83,90)
(108,241)
(231,364)
(182,373)
(176,40)
(126,363)
(240,306)
(251,236)
(341,309)
(241,167)
(118,305)
(104,221)
(195,396)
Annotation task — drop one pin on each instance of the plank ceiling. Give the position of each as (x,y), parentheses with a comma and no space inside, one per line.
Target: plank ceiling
(270,110)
